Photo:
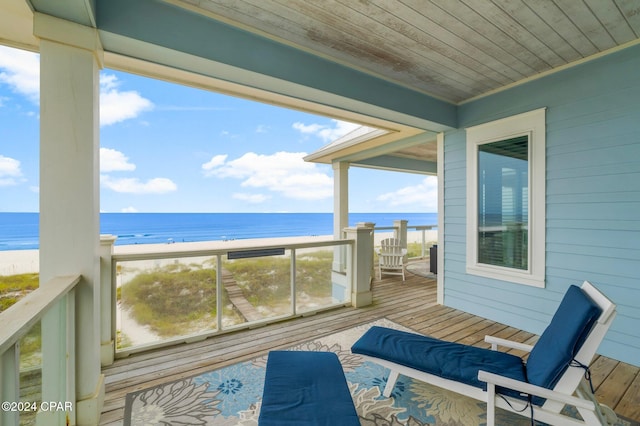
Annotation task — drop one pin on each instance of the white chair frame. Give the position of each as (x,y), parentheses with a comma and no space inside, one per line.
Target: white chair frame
(391,256)
(572,382)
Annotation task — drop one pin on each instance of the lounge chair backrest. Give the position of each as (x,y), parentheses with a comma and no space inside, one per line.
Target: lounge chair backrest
(563,338)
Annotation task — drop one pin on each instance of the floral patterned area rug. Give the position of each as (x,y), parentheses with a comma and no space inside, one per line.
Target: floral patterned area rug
(232,395)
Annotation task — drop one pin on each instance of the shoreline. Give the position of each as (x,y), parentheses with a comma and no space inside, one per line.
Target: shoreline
(14,262)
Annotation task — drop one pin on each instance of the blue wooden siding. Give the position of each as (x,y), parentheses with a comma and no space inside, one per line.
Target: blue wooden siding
(593,198)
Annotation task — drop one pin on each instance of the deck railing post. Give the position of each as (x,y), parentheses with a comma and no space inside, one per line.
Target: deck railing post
(372,226)
(362,264)
(400,231)
(10,383)
(107,301)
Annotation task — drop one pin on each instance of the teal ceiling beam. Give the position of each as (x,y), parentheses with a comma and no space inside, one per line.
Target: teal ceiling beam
(161,24)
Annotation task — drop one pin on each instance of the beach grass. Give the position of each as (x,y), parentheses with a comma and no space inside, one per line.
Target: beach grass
(12,289)
(415,249)
(15,287)
(170,298)
(177,299)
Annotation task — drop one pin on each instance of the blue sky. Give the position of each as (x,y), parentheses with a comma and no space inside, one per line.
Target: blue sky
(170,148)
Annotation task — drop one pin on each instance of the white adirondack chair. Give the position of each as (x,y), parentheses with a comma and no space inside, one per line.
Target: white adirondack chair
(391,257)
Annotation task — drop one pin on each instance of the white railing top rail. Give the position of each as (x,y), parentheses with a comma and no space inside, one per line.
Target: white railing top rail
(18,319)
(384,228)
(169,252)
(391,227)
(420,227)
(417,227)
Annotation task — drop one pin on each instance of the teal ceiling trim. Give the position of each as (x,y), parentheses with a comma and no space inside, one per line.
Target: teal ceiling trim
(171,27)
(79,11)
(400,164)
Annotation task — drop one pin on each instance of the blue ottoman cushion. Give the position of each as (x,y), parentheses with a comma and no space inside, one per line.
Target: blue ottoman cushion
(306,388)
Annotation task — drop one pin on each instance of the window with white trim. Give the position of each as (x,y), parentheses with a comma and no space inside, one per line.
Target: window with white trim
(506,199)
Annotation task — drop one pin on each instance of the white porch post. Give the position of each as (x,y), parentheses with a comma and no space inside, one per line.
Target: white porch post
(69,214)
(340,211)
(362,264)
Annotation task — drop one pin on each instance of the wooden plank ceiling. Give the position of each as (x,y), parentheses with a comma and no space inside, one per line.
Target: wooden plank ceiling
(451,49)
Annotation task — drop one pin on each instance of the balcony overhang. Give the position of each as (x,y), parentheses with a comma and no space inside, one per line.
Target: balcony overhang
(409,150)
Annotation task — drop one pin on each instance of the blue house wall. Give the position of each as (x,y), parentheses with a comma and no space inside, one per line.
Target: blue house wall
(592,198)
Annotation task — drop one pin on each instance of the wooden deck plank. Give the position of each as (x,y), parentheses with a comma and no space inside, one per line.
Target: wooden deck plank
(630,402)
(600,368)
(411,304)
(614,388)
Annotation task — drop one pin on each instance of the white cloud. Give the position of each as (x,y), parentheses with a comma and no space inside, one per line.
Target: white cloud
(20,70)
(129,209)
(327,133)
(216,161)
(135,186)
(251,198)
(283,172)
(112,160)
(117,106)
(424,195)
(9,171)
(308,128)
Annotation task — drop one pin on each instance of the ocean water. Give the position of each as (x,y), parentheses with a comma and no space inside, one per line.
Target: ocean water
(19,231)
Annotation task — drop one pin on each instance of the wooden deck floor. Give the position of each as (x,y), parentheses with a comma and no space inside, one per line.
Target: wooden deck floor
(412,304)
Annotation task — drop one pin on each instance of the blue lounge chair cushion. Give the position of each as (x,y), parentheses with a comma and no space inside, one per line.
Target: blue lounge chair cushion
(449,360)
(306,388)
(562,339)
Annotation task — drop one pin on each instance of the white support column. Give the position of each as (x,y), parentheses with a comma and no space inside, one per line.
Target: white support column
(340,211)
(70,57)
(107,301)
(362,265)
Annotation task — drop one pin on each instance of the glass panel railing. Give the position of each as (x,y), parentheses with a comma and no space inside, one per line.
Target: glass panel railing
(259,287)
(314,285)
(166,297)
(161,299)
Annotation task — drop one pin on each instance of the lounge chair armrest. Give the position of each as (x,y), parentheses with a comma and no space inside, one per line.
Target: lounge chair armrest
(530,389)
(497,341)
